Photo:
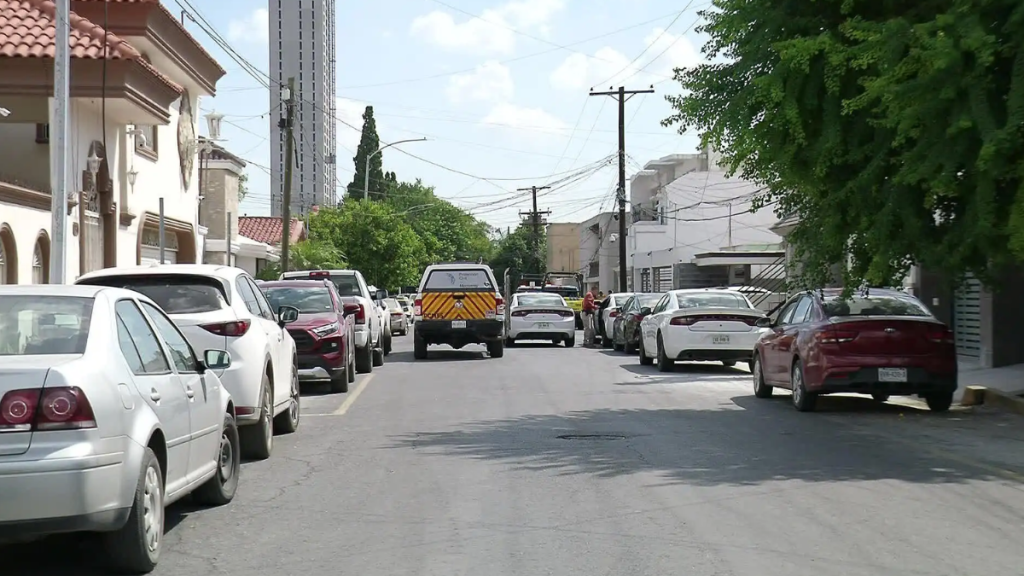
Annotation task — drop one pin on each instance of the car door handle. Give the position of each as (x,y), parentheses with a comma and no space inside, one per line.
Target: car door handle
(154,395)
(190,393)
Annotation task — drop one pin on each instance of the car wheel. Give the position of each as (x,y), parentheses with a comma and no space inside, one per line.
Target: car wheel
(761,390)
(220,489)
(510,342)
(258,438)
(287,422)
(803,400)
(135,547)
(364,359)
(351,371)
(378,357)
(880,397)
(387,344)
(496,348)
(728,363)
(628,347)
(664,363)
(939,401)
(419,348)
(570,342)
(339,384)
(644,360)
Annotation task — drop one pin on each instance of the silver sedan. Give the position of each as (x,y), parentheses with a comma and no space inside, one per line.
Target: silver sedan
(106,416)
(540,316)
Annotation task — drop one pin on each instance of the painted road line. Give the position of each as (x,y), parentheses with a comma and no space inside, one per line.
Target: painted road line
(352,396)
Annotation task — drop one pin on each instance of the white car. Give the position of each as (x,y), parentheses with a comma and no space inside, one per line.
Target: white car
(221,307)
(700,325)
(540,316)
(611,306)
(380,297)
(107,415)
(373,340)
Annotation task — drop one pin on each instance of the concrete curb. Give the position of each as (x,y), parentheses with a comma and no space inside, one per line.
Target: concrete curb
(976,395)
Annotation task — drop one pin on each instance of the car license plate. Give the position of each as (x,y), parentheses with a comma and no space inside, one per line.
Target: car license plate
(458,323)
(719,340)
(543,325)
(892,374)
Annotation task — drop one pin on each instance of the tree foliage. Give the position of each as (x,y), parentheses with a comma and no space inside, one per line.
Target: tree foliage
(374,239)
(515,252)
(448,232)
(369,143)
(891,129)
(307,255)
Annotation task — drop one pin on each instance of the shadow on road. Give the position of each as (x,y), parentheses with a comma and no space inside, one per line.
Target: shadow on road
(749,442)
(439,355)
(646,375)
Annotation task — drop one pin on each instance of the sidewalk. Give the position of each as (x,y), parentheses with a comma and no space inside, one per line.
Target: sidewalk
(1008,379)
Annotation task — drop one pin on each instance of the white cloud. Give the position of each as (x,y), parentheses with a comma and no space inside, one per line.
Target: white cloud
(532,119)
(490,82)
(491,32)
(253,28)
(664,51)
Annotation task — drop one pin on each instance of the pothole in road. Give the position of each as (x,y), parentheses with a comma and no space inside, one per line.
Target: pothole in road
(591,437)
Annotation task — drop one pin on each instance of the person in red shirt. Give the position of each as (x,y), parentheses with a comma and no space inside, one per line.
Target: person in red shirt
(589,310)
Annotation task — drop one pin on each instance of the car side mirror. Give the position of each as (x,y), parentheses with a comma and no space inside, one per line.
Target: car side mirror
(380,295)
(764,322)
(287,315)
(645,311)
(216,360)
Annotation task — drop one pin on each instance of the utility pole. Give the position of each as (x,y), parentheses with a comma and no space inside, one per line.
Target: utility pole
(622,95)
(288,96)
(59,142)
(535,221)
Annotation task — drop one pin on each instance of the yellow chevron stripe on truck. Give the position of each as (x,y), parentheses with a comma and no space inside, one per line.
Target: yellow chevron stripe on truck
(457,305)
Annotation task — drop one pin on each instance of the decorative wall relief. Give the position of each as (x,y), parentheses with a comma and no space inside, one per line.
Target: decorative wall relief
(186,139)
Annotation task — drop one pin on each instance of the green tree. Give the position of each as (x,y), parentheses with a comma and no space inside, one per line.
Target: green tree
(368,144)
(307,255)
(374,239)
(448,232)
(515,252)
(243,186)
(891,130)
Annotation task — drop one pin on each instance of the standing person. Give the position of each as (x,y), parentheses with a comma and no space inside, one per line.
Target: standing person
(589,308)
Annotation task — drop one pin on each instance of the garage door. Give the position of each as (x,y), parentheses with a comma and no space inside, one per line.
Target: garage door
(151,255)
(967,318)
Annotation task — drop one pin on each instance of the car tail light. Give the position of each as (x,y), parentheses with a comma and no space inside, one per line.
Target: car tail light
(320,274)
(566,313)
(832,337)
(235,328)
(397,314)
(941,335)
(683,321)
(59,408)
(519,313)
(613,313)
(499,305)
(417,307)
(360,313)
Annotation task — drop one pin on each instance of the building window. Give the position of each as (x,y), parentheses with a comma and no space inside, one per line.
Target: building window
(40,262)
(42,133)
(146,142)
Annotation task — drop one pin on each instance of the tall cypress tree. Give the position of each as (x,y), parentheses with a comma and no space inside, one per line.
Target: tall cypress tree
(368,144)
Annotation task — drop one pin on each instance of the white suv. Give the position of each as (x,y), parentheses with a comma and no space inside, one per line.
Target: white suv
(220,307)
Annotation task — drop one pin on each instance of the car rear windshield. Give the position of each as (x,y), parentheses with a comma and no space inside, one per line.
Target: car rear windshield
(880,305)
(648,300)
(564,291)
(540,300)
(712,300)
(469,279)
(347,285)
(311,300)
(44,324)
(175,293)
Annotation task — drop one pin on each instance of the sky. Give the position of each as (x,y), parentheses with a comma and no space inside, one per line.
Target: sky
(500,89)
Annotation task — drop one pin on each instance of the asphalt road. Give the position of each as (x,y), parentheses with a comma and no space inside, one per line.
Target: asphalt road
(581,462)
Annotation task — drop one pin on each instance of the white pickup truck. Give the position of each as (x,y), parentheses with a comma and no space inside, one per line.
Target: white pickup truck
(373,338)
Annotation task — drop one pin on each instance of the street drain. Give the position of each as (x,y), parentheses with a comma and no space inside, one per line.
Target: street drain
(591,437)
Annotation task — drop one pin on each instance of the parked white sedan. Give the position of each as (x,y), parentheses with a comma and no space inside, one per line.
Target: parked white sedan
(107,415)
(699,325)
(540,316)
(222,307)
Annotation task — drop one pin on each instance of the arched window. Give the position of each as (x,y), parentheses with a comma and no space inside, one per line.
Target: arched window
(3,262)
(41,259)
(8,256)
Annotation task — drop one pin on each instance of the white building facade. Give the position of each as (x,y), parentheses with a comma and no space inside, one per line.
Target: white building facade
(692,227)
(302,47)
(599,252)
(141,139)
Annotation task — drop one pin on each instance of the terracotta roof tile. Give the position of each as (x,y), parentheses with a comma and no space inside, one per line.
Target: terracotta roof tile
(27,31)
(267,229)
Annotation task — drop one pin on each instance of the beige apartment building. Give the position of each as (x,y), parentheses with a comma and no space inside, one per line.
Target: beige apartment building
(563,247)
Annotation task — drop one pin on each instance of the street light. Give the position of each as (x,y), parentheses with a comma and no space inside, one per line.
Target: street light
(132,175)
(366,175)
(213,121)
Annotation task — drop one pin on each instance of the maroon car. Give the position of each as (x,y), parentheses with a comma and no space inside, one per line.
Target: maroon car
(323,334)
(878,342)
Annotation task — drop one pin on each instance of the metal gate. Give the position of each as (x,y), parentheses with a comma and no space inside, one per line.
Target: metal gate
(662,278)
(93,236)
(967,318)
(645,280)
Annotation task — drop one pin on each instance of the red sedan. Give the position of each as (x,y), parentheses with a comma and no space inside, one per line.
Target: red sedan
(879,342)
